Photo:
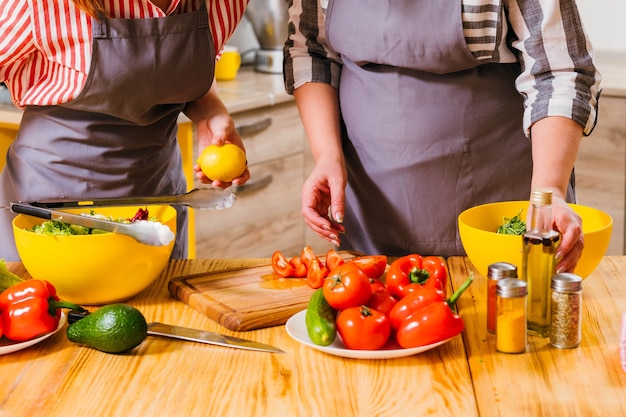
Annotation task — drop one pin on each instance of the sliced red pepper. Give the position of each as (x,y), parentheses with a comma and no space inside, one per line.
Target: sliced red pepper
(413,271)
(30,309)
(432,322)
(281,266)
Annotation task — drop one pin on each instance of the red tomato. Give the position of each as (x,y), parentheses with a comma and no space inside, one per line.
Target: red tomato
(347,286)
(299,268)
(316,273)
(382,300)
(373,265)
(363,328)
(412,303)
(333,259)
(377,284)
(281,266)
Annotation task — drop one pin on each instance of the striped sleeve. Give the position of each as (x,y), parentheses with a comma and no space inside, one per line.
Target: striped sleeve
(558,75)
(16,41)
(307,56)
(224,16)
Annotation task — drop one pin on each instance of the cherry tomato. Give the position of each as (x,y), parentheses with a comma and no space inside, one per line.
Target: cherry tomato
(333,259)
(347,286)
(413,302)
(281,266)
(299,268)
(316,273)
(363,328)
(382,300)
(373,265)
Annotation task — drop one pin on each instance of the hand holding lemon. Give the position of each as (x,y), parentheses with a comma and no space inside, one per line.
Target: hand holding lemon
(222,163)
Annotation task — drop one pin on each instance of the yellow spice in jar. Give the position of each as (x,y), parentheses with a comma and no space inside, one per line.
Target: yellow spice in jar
(511,325)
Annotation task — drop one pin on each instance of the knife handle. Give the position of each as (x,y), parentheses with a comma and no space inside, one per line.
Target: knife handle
(31,211)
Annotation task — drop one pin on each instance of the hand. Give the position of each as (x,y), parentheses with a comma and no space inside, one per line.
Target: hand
(218,130)
(323,192)
(569,224)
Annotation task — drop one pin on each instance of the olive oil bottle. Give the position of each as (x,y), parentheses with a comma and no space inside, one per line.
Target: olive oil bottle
(539,263)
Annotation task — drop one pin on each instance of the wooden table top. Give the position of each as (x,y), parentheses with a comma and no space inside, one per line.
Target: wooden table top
(464,377)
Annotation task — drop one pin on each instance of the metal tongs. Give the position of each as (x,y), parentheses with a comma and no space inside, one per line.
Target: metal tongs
(149,233)
(199,198)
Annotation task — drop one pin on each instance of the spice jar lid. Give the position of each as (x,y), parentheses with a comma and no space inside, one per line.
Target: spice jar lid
(511,287)
(566,282)
(500,270)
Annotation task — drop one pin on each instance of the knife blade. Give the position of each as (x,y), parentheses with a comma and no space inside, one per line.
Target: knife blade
(203,336)
(191,335)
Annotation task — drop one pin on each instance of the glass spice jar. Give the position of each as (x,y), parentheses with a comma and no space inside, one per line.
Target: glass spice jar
(566,310)
(511,315)
(495,272)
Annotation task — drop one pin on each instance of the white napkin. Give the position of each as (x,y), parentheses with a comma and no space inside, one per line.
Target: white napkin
(623,343)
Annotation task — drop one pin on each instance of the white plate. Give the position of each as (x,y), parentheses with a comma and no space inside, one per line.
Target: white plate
(8,346)
(296,328)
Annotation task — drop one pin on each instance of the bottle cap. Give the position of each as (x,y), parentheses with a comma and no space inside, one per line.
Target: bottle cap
(511,287)
(500,270)
(541,196)
(566,282)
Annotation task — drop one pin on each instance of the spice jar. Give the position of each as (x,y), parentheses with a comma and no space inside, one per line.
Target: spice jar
(566,310)
(511,315)
(495,272)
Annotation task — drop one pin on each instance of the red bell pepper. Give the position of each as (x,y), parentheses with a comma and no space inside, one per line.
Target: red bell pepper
(413,271)
(30,309)
(433,321)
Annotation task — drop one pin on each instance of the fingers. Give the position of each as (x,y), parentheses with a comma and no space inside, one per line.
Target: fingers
(569,225)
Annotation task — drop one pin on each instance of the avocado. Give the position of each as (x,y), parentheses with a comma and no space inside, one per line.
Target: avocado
(114,328)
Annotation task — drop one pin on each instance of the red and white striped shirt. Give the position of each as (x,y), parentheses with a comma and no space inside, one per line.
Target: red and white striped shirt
(45,47)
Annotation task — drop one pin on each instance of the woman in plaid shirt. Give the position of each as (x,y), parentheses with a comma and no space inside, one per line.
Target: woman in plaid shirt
(418,109)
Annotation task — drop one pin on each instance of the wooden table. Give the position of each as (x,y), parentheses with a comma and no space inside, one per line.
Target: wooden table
(464,377)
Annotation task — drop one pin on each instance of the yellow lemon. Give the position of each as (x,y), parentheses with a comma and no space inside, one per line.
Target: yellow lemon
(222,163)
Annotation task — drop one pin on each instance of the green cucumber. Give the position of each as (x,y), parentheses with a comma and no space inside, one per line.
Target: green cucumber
(320,320)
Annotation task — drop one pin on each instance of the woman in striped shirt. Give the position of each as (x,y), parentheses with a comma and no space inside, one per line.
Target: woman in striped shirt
(102,83)
(418,109)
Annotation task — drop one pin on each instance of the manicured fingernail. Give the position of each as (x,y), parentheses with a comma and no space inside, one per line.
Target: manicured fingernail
(326,227)
(333,237)
(558,256)
(339,217)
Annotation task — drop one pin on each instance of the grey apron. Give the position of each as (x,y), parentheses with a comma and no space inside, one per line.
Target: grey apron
(429,131)
(118,137)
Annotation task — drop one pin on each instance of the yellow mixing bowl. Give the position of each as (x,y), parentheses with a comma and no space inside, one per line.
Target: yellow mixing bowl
(478,225)
(94,269)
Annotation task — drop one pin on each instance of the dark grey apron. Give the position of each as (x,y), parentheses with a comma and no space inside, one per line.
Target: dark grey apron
(118,137)
(430,131)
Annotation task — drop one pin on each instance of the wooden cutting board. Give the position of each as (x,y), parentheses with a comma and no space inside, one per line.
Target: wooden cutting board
(244,298)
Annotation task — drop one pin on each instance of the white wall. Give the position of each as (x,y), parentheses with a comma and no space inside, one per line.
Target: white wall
(605,23)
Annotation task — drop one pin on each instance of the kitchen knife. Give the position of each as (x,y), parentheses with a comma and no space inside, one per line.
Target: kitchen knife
(203,336)
(192,335)
(205,198)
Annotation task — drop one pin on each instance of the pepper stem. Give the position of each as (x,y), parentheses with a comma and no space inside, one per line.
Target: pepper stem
(54,305)
(454,297)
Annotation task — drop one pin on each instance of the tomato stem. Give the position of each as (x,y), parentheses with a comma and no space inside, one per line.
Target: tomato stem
(454,297)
